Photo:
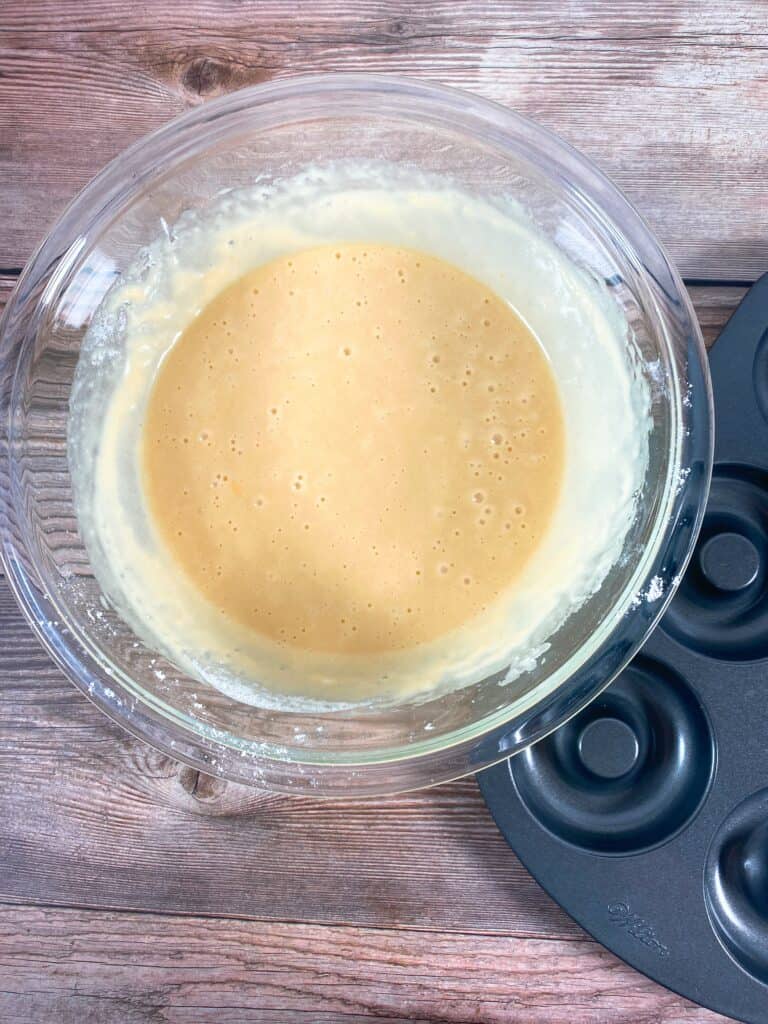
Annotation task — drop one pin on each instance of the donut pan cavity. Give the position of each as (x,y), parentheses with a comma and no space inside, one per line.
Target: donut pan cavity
(646,815)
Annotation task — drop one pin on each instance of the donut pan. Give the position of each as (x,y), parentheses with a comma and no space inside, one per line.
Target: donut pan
(646,815)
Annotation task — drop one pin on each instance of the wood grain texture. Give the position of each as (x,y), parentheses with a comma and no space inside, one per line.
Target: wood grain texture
(713,306)
(76,967)
(670,98)
(7,284)
(95,818)
(405,909)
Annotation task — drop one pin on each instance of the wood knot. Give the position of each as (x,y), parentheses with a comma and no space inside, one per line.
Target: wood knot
(203,788)
(205,794)
(204,76)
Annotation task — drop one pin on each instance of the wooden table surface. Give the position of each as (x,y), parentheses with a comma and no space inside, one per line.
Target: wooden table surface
(133,889)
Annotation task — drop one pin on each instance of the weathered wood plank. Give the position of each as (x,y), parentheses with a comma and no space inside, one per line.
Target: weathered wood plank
(667,97)
(713,306)
(92,817)
(7,284)
(713,303)
(74,967)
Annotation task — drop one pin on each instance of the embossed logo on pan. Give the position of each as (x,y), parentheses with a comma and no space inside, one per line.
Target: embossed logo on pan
(620,913)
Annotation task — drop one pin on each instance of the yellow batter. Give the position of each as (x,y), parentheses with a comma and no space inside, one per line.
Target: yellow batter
(354,449)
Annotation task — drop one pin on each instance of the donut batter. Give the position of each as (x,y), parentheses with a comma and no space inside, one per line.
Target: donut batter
(353,449)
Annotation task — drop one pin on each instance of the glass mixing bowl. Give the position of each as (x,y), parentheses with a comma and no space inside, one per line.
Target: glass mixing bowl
(268,133)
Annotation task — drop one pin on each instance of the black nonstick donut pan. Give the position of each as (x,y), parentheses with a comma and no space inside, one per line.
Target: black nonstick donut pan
(646,815)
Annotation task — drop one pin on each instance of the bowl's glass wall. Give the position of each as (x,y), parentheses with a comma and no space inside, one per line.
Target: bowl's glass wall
(265,135)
